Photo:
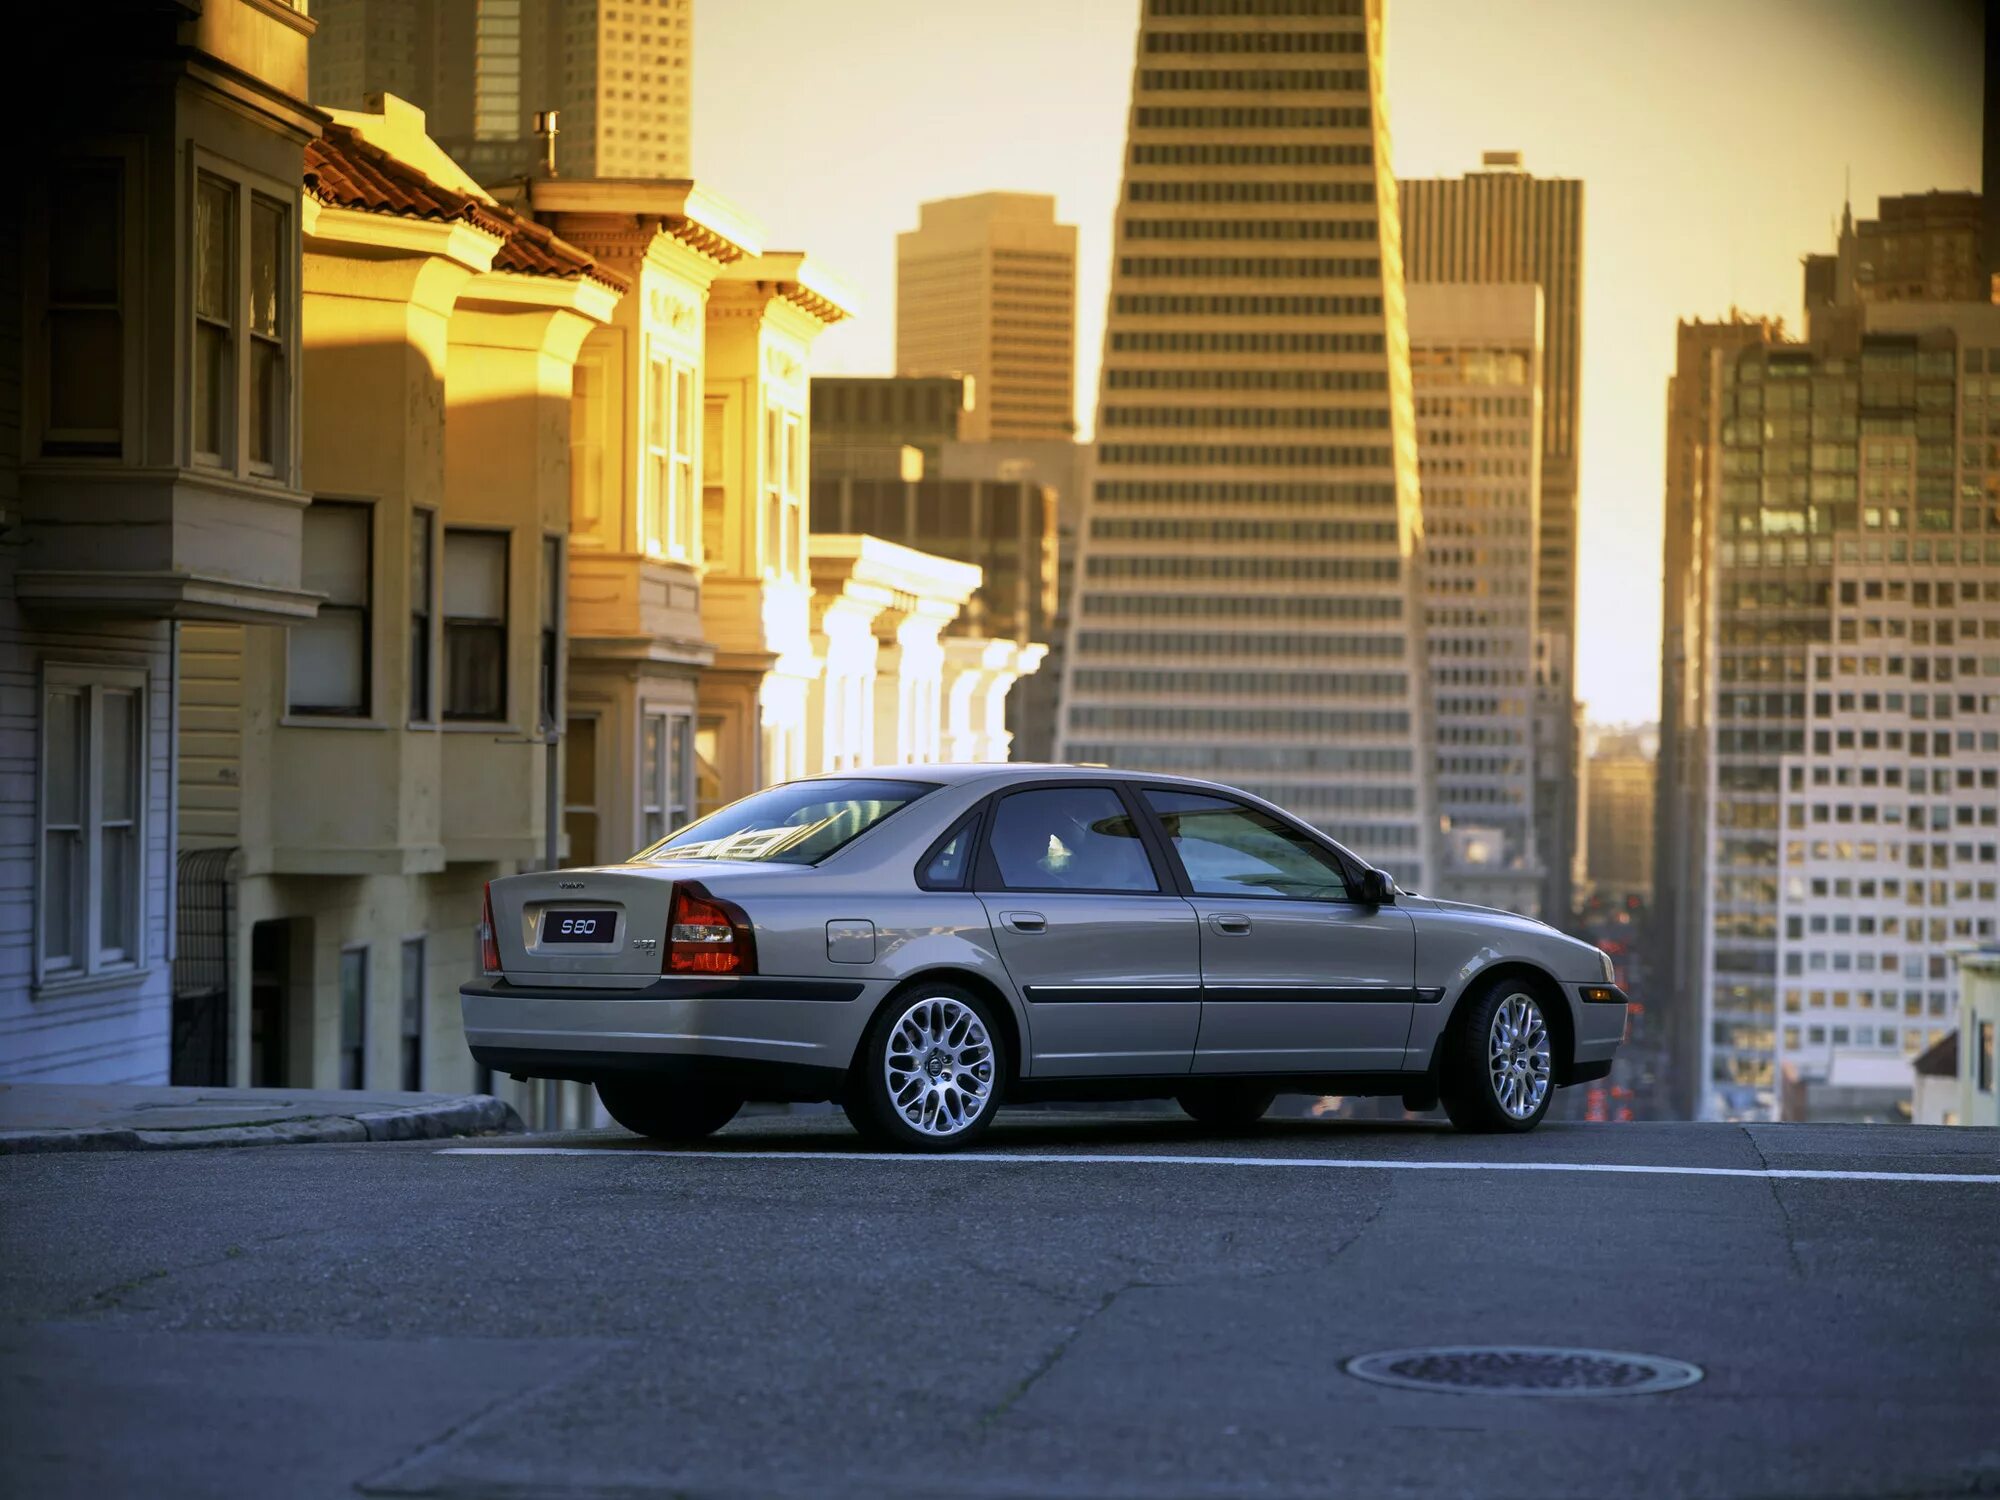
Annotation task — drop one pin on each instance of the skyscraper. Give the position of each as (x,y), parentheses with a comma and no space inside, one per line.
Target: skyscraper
(619,74)
(986,287)
(1476,366)
(1245,597)
(1920,247)
(1501,225)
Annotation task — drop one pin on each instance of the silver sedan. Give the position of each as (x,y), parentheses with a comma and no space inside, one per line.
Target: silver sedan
(925,943)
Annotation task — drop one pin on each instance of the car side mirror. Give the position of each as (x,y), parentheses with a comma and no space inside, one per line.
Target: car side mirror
(1377,888)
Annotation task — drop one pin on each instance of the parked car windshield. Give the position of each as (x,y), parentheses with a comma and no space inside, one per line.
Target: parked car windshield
(799,823)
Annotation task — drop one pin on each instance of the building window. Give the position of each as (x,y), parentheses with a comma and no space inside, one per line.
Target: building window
(1985,1061)
(551,637)
(214,400)
(328,656)
(86,319)
(413,1014)
(270,302)
(774,493)
(423,595)
(90,882)
(580,788)
(475,624)
(353,1018)
(666,770)
(670,442)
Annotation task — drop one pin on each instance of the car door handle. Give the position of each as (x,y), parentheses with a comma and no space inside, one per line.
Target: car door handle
(1229,922)
(1024,921)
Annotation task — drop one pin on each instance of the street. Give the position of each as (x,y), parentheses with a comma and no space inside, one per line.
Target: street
(1079,1309)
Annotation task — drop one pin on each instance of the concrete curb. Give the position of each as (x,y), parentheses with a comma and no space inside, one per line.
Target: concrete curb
(475,1114)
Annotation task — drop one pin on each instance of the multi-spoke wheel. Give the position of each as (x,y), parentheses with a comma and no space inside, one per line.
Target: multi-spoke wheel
(1499,1061)
(930,1071)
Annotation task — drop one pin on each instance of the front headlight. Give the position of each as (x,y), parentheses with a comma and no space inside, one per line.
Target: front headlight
(1610,969)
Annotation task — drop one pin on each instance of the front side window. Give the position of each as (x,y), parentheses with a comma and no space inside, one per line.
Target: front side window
(88,883)
(475,624)
(1069,838)
(328,656)
(85,319)
(799,823)
(1228,849)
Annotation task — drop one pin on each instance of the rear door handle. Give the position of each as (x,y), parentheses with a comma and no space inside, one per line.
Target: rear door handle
(1024,921)
(1229,922)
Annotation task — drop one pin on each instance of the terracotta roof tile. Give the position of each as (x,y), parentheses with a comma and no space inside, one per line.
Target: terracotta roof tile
(343,170)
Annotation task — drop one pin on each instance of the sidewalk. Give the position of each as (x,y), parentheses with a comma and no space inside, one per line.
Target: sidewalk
(113,1117)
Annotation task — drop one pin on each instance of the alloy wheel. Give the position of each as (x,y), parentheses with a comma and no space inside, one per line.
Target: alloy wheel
(1518,1056)
(939,1066)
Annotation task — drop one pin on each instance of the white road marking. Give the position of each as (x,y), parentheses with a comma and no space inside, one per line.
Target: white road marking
(1325,1163)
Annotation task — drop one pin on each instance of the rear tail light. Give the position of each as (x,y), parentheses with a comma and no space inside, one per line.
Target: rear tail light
(706,935)
(489,942)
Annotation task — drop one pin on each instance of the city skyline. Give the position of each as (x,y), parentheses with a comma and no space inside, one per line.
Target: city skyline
(1891,96)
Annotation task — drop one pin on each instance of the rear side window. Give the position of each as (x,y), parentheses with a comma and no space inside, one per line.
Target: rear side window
(950,859)
(1228,849)
(1069,839)
(799,823)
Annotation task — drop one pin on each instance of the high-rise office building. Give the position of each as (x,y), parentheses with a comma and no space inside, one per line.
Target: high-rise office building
(1852,726)
(1245,603)
(618,74)
(1921,247)
(1687,675)
(1501,225)
(1619,769)
(986,287)
(1476,367)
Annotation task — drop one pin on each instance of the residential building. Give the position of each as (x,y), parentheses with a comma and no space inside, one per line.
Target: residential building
(1617,801)
(1922,247)
(1853,749)
(1978,1023)
(986,287)
(347,786)
(1687,682)
(151,477)
(1502,224)
(1476,369)
(1934,1100)
(646,502)
(617,73)
(1246,601)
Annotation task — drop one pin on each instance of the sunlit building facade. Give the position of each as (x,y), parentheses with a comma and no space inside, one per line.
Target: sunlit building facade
(986,287)
(1476,367)
(1502,224)
(1246,604)
(1619,769)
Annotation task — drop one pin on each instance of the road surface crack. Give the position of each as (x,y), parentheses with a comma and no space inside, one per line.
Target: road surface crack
(1784,1211)
(1064,1342)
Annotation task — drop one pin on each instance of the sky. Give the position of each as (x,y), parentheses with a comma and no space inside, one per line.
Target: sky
(1715,139)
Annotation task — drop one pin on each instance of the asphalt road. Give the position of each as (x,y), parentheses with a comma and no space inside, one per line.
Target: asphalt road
(1091,1314)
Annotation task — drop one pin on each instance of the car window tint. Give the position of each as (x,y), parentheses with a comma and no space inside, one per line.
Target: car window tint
(1069,838)
(796,822)
(946,868)
(1228,849)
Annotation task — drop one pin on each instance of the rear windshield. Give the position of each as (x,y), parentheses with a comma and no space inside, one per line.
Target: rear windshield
(799,823)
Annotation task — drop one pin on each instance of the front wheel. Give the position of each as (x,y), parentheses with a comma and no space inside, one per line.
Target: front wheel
(930,1071)
(1499,1061)
(1226,1106)
(666,1111)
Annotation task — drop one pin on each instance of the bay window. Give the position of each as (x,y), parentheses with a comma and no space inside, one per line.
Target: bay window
(668,515)
(475,624)
(90,874)
(85,322)
(328,658)
(666,774)
(245,292)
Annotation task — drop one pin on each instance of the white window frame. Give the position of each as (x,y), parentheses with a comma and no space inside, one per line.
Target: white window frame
(666,781)
(91,683)
(245,188)
(505,620)
(667,511)
(371,708)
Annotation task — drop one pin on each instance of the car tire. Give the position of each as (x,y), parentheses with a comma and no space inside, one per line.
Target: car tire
(664,1111)
(1498,1068)
(1227,1106)
(930,1072)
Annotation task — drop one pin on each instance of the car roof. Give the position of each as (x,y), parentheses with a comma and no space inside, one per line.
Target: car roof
(960,772)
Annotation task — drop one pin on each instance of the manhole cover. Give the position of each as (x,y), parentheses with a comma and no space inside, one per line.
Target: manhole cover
(1517,1371)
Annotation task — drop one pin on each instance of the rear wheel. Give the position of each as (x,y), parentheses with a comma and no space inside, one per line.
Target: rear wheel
(1499,1061)
(1227,1106)
(665,1111)
(930,1071)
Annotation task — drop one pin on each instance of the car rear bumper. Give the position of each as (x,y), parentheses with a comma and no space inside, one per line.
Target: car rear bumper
(773,1036)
